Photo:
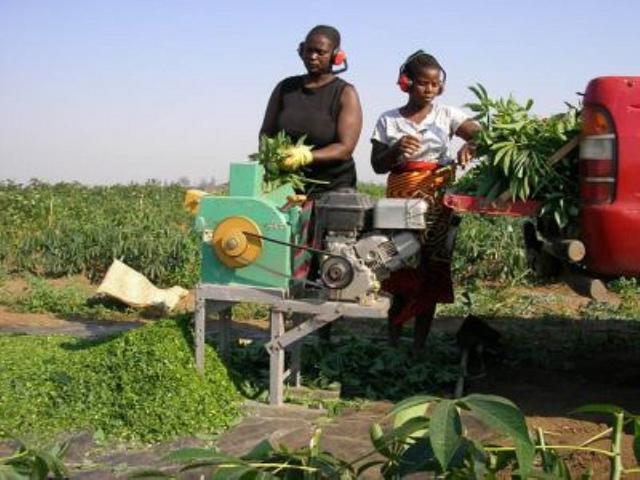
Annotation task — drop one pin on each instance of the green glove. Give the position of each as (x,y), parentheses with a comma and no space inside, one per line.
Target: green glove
(296,158)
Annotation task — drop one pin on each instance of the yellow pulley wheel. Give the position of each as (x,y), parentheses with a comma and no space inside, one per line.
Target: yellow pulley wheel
(232,246)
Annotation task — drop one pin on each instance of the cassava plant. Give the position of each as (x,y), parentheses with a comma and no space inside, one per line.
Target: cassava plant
(271,154)
(427,435)
(27,463)
(514,146)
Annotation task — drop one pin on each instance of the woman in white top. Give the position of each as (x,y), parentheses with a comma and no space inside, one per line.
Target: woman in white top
(411,143)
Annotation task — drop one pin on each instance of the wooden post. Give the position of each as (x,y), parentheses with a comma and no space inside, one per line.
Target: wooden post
(589,287)
(296,355)
(198,336)
(276,360)
(572,250)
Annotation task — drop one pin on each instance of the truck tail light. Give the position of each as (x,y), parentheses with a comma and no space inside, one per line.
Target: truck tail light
(597,156)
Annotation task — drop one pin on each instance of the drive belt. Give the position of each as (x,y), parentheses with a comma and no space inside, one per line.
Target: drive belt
(289,244)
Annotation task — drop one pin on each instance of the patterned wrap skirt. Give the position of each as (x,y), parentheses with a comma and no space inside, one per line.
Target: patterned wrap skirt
(419,288)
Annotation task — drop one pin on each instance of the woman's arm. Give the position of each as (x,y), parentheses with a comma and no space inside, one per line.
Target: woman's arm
(467,131)
(349,128)
(386,157)
(270,121)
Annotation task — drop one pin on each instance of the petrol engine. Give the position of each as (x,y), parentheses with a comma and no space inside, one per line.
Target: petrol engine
(364,241)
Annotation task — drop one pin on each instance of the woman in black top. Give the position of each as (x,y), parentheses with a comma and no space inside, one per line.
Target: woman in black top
(321,106)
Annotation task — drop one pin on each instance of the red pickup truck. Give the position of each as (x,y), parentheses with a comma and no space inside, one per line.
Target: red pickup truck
(610,176)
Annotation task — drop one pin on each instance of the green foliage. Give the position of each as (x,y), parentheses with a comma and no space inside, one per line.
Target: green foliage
(43,297)
(263,462)
(628,290)
(515,147)
(363,368)
(271,154)
(427,437)
(68,228)
(34,464)
(72,300)
(490,248)
(373,189)
(141,385)
(65,229)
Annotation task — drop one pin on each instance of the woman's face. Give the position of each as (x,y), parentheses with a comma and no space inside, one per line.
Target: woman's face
(426,85)
(316,54)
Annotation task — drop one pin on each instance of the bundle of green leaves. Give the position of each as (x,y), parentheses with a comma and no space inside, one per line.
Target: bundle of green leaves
(514,146)
(271,154)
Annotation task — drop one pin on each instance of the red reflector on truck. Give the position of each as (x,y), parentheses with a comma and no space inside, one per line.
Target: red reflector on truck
(595,121)
(598,156)
(596,192)
(597,168)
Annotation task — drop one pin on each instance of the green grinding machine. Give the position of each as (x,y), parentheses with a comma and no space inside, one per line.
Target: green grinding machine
(253,241)
(233,226)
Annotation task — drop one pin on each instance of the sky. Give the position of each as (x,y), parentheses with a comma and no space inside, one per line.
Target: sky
(116,91)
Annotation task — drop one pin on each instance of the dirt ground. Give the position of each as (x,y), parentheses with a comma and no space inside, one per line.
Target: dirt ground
(547,391)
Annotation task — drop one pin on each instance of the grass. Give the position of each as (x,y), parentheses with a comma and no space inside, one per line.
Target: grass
(70,299)
(537,299)
(628,290)
(141,385)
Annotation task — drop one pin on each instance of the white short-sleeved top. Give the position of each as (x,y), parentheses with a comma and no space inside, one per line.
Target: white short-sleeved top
(434,132)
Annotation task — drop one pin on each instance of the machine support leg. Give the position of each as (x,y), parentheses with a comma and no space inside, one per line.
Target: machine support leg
(198,337)
(296,361)
(276,360)
(296,356)
(225,333)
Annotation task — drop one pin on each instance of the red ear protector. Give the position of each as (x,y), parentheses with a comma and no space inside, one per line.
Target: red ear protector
(404,81)
(338,57)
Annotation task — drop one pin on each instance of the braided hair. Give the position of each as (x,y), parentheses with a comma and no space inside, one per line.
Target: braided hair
(420,60)
(327,31)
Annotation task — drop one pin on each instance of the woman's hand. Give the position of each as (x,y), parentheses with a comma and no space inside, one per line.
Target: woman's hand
(296,157)
(407,146)
(466,153)
(467,131)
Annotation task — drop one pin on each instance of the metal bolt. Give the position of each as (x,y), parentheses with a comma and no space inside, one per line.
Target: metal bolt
(231,243)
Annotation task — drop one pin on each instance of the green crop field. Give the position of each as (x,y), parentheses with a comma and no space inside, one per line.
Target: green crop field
(67,228)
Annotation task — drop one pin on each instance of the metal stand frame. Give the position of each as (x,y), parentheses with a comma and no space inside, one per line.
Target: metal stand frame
(220,298)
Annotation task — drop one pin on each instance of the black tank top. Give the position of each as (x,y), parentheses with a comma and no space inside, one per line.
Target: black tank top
(314,112)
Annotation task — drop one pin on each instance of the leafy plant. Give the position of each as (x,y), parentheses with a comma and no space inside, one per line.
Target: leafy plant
(515,147)
(428,435)
(262,462)
(68,228)
(373,189)
(42,297)
(362,368)
(271,154)
(435,427)
(490,248)
(34,464)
